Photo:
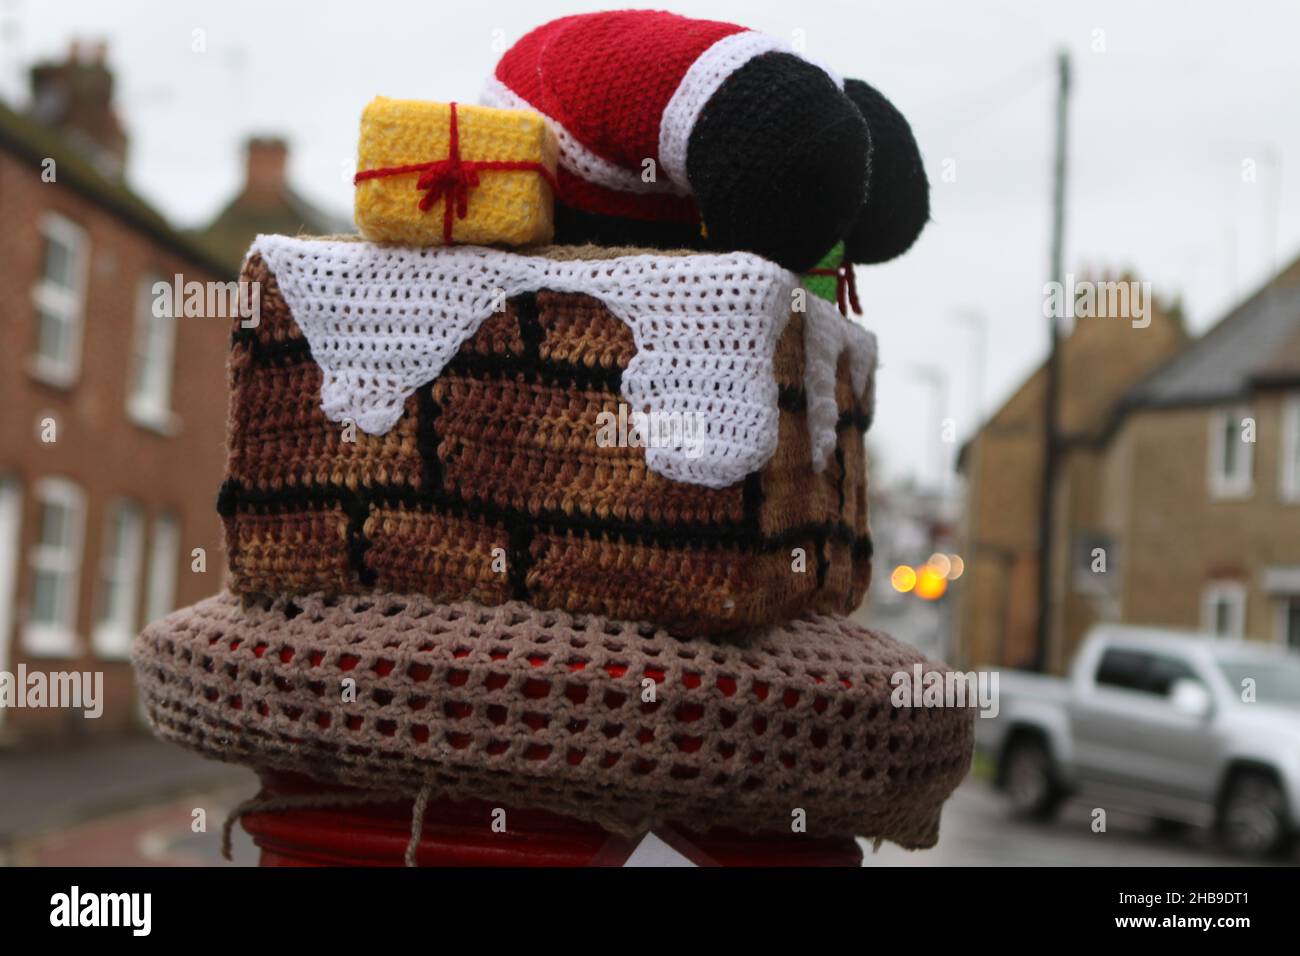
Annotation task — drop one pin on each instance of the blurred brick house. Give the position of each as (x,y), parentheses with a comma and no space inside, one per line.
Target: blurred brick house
(113,419)
(1180,471)
(97,525)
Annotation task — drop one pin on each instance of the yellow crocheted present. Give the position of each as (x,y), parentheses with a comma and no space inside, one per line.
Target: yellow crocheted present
(436,173)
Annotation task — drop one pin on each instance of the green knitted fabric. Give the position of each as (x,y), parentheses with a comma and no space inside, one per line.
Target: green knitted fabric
(825,286)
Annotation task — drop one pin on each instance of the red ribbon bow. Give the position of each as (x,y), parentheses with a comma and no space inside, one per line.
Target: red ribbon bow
(452,178)
(846,287)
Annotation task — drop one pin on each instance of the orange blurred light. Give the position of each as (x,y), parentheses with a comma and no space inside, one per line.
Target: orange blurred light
(940,563)
(930,584)
(903,579)
(958,567)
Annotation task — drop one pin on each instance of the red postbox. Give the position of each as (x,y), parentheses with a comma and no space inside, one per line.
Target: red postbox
(459,833)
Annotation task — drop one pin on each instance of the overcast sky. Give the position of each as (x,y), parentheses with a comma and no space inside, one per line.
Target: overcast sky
(1172,101)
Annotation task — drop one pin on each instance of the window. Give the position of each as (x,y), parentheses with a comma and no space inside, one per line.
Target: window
(119,580)
(1144,672)
(1289,479)
(150,390)
(55,562)
(1163,673)
(1288,622)
(1223,609)
(1276,679)
(163,555)
(1231,454)
(59,297)
(1121,668)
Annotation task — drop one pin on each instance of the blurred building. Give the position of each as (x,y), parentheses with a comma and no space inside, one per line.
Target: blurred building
(1179,494)
(1101,359)
(112,442)
(267,203)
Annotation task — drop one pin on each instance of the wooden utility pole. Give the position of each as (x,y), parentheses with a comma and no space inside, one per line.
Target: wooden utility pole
(1051,409)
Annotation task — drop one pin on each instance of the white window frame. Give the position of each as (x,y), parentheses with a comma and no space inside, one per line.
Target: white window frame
(1221,485)
(11,523)
(164,558)
(154,345)
(1288,482)
(43,639)
(67,305)
(1234,593)
(111,638)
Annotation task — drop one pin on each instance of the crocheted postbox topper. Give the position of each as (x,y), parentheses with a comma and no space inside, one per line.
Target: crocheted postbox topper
(703,134)
(503,574)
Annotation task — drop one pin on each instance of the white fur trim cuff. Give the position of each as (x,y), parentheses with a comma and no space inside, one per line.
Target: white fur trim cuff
(699,84)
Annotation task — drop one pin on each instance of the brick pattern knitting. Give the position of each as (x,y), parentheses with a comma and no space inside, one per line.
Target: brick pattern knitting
(381,321)
(544,709)
(493,483)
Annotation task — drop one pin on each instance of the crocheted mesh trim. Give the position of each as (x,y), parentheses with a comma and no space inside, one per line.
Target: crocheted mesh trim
(545,709)
(382,321)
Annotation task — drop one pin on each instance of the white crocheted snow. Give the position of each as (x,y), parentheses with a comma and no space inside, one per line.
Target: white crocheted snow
(826,334)
(382,320)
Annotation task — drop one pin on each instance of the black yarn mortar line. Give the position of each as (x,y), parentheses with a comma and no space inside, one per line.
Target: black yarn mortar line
(533,367)
(234,497)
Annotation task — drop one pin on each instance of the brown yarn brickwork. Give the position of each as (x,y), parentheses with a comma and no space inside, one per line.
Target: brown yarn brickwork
(499,456)
(546,709)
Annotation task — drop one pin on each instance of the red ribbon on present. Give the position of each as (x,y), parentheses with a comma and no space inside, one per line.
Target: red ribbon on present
(846,287)
(452,178)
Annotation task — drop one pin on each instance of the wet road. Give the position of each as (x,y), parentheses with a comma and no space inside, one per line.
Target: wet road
(976,831)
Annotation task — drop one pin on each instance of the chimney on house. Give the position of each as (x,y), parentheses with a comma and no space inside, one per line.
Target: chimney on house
(75,97)
(266,203)
(264,178)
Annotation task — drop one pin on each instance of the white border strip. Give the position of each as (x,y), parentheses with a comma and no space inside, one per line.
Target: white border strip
(701,81)
(575,157)
(699,84)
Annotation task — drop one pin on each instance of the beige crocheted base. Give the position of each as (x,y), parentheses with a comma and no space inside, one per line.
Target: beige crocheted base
(550,710)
